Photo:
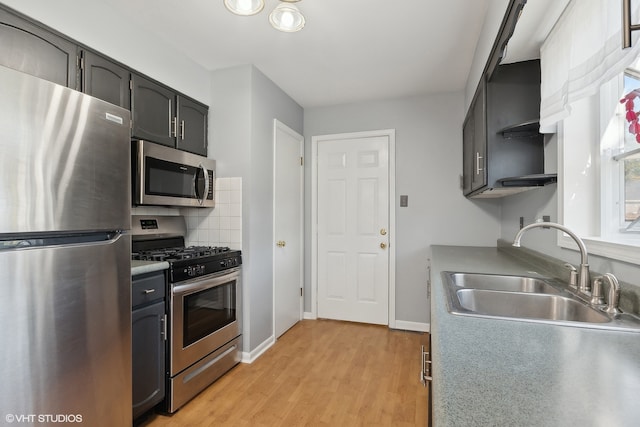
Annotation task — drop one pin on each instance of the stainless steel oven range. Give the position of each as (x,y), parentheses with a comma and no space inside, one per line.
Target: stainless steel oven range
(204,305)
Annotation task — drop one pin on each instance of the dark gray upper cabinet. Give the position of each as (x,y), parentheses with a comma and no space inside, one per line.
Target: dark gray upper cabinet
(192,126)
(474,137)
(165,117)
(33,50)
(105,79)
(153,108)
(503,151)
(500,133)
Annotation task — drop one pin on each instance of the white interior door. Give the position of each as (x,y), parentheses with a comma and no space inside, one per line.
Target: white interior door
(288,227)
(353,229)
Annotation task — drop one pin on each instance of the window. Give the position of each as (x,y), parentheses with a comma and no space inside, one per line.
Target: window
(629,157)
(585,74)
(601,169)
(620,149)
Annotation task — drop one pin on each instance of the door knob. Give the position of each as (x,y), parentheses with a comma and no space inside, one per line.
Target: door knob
(383,232)
(383,245)
(281,243)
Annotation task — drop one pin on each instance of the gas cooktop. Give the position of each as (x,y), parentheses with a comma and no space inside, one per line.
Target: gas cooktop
(162,238)
(178,254)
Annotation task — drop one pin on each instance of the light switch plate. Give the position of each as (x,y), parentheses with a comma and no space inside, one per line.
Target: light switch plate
(404,201)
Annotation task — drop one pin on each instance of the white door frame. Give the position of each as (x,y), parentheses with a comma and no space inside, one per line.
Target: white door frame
(391,134)
(281,126)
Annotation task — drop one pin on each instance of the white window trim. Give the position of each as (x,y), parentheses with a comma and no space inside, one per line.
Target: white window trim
(608,249)
(620,247)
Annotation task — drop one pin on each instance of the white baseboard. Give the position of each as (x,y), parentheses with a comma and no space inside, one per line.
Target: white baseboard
(412,326)
(250,357)
(309,315)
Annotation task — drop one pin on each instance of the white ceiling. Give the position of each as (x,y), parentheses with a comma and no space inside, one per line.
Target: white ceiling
(349,51)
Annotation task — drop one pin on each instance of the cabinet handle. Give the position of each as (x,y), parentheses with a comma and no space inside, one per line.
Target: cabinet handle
(164,327)
(478,168)
(182,129)
(170,119)
(425,369)
(174,125)
(148,291)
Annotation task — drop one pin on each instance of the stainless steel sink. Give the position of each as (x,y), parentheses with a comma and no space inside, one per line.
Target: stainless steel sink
(527,299)
(498,282)
(528,306)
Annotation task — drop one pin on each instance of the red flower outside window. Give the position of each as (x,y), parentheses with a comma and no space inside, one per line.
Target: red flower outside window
(633,117)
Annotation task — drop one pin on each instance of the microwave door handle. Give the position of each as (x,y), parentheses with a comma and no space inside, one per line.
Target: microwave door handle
(205,191)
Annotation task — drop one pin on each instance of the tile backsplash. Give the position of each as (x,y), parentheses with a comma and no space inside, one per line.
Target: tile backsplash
(219,226)
(222,225)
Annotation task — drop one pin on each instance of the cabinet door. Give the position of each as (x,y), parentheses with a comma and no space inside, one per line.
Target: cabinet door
(192,126)
(105,80)
(28,48)
(479,172)
(148,353)
(153,110)
(468,152)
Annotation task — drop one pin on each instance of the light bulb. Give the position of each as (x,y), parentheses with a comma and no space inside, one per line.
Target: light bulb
(244,7)
(286,17)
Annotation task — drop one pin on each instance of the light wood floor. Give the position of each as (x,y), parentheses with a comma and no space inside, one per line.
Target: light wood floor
(319,373)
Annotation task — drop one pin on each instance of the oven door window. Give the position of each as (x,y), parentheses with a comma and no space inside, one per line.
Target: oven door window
(207,311)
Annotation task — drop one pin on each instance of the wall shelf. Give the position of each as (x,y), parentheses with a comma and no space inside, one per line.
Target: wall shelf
(528,129)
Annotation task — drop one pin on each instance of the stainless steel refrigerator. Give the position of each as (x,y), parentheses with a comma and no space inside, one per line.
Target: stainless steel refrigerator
(65,253)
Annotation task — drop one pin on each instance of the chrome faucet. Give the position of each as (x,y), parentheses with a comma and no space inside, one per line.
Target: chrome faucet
(584,282)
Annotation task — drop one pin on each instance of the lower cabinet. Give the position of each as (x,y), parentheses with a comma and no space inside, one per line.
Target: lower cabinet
(148,342)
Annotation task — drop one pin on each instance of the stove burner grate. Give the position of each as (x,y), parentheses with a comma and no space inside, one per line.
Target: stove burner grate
(177,254)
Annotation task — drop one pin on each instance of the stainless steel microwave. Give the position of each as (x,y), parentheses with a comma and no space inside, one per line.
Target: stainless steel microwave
(164,176)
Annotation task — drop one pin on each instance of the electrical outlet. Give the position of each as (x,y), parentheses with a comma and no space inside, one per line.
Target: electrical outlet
(521,222)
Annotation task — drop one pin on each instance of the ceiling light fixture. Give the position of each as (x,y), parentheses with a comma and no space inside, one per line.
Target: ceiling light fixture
(244,7)
(286,17)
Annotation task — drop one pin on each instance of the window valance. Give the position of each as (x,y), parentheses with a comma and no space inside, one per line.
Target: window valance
(582,51)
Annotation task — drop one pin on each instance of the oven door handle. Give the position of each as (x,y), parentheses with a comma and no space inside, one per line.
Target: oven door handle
(200,285)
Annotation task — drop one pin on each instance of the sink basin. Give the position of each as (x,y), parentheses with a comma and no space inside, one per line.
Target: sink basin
(527,299)
(528,306)
(499,282)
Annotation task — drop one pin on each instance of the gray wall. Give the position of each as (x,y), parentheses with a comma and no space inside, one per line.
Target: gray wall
(428,166)
(244,104)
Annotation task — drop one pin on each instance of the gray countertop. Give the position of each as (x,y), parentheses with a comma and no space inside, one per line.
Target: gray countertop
(490,372)
(141,267)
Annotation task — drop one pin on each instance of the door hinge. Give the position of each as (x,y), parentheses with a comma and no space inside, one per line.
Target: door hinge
(301,161)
